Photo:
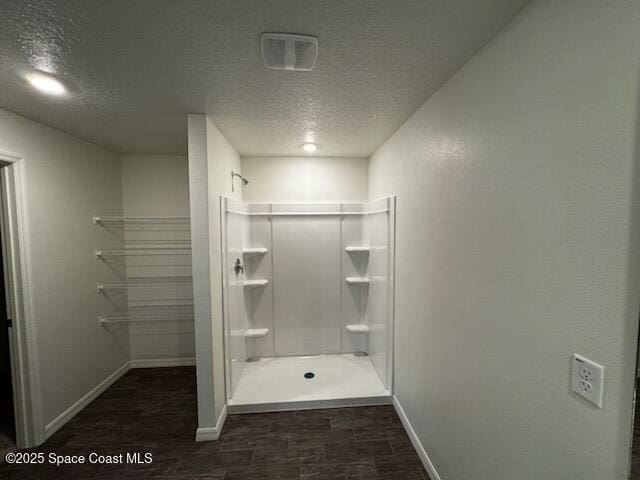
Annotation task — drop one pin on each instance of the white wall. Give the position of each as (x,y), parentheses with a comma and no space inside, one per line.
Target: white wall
(67,181)
(211,160)
(305,179)
(158,185)
(516,247)
(155,185)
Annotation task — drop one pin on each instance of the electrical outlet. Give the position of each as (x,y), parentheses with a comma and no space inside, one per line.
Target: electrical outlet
(587,379)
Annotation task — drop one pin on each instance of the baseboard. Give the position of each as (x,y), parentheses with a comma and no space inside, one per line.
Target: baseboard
(212,433)
(415,441)
(163,362)
(74,409)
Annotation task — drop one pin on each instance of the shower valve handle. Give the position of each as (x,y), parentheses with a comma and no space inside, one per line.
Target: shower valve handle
(237,266)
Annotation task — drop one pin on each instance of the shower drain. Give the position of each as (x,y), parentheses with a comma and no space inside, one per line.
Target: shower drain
(309,375)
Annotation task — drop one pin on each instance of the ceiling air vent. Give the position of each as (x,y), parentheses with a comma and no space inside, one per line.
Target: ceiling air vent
(287,51)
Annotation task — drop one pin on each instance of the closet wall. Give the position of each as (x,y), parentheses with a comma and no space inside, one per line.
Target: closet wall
(158,185)
(67,181)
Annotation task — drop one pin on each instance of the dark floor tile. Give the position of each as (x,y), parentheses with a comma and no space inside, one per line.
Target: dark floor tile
(60,438)
(402,475)
(300,439)
(406,465)
(379,432)
(11,472)
(206,476)
(47,448)
(132,475)
(154,411)
(53,472)
(401,444)
(338,471)
(100,439)
(342,452)
(270,441)
(324,413)
(261,418)
(244,430)
(301,454)
(216,463)
(175,443)
(157,466)
(271,471)
(315,425)
(360,422)
(376,411)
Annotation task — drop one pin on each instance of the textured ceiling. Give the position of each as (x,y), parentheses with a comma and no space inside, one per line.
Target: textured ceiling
(136,68)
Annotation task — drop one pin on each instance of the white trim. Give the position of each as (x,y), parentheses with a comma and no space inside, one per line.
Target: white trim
(74,409)
(310,404)
(25,374)
(415,441)
(9,156)
(212,433)
(162,362)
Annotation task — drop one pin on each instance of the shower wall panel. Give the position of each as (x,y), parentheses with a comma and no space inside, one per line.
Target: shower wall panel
(380,312)
(259,301)
(354,296)
(236,321)
(307,283)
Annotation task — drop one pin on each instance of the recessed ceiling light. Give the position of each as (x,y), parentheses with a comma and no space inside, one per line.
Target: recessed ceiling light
(309,147)
(46,84)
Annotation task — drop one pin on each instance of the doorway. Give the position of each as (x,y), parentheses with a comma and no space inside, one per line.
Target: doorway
(7,416)
(21,422)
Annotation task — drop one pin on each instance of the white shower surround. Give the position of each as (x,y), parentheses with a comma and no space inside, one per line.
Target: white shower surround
(293,291)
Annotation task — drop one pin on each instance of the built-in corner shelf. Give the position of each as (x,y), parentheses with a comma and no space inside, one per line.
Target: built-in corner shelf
(357,328)
(357,249)
(255,283)
(256,332)
(357,280)
(254,251)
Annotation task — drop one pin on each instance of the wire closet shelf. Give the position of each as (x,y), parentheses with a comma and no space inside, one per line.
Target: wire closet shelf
(157,289)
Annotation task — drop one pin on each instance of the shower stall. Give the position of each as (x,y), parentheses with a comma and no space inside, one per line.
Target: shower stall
(308,304)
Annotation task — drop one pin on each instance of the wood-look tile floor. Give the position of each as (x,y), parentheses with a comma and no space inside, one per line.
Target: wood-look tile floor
(154,411)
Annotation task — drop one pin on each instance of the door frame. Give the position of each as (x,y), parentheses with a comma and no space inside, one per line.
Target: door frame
(18,273)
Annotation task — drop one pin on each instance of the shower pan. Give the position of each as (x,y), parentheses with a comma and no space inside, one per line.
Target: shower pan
(308,304)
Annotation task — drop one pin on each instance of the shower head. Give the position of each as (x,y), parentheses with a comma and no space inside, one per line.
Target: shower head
(234,174)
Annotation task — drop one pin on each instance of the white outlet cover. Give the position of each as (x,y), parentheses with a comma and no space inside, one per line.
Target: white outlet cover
(587,379)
